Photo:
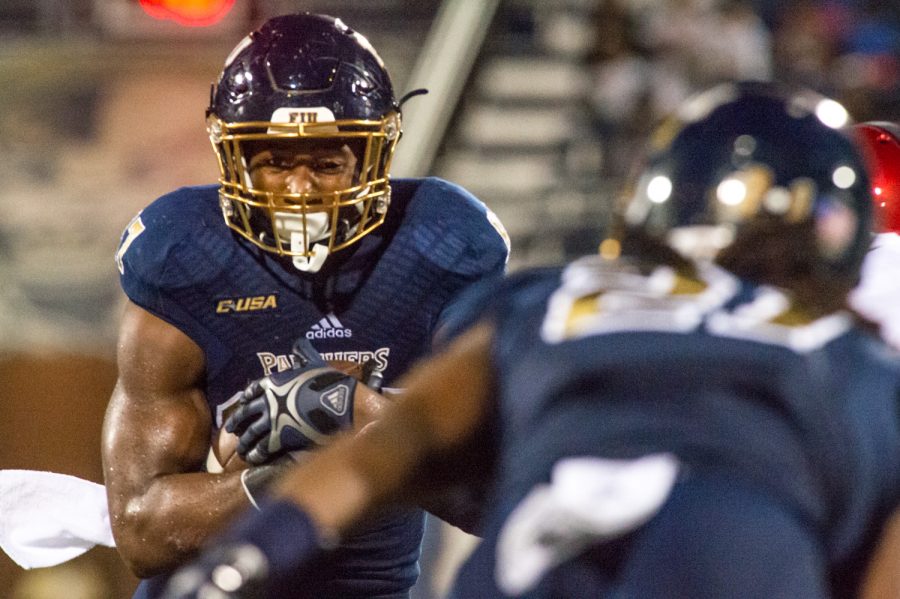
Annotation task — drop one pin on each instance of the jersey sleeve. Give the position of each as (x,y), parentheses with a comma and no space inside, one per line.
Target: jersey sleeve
(473,304)
(143,253)
(460,236)
(165,251)
(457,231)
(493,299)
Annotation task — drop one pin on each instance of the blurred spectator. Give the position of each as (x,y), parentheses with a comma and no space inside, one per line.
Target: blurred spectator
(867,70)
(803,45)
(648,57)
(743,45)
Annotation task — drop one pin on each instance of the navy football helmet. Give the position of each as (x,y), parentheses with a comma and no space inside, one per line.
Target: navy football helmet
(304,78)
(746,163)
(880,143)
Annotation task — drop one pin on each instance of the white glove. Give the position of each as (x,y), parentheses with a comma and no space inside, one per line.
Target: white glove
(588,500)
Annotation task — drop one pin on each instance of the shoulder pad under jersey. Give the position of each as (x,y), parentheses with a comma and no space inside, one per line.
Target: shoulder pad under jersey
(455,230)
(178,241)
(492,298)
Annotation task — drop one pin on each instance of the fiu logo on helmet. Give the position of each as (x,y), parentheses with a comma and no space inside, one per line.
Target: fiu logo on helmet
(304,117)
(252,303)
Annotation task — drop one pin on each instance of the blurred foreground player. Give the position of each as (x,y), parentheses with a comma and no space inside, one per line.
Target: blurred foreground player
(878,295)
(692,413)
(305,236)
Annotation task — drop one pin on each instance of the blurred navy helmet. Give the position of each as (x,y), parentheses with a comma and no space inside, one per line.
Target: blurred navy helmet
(744,163)
(304,79)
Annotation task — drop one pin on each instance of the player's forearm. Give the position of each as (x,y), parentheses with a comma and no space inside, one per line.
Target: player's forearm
(354,476)
(882,578)
(166,525)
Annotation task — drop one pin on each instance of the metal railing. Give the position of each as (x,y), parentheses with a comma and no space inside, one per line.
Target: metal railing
(442,68)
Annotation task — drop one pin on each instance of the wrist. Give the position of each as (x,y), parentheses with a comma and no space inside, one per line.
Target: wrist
(257,480)
(283,532)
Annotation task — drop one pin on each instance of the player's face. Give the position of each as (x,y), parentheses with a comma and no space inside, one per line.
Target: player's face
(308,166)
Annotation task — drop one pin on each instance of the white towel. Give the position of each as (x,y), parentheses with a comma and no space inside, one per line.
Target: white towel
(878,294)
(47,518)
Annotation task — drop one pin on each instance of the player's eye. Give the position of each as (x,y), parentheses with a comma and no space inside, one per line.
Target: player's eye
(269,165)
(329,166)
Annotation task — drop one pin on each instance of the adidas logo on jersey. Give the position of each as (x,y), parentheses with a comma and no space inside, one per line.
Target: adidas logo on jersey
(329,328)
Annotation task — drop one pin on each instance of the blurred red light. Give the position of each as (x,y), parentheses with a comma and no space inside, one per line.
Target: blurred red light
(190,13)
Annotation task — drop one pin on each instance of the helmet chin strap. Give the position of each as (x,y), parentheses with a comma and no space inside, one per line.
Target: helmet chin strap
(304,239)
(308,263)
(318,228)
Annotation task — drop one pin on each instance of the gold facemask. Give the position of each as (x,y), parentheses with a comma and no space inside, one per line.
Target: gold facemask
(304,225)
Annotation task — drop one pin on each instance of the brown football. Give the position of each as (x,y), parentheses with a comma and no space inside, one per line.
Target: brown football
(223,456)
(354,369)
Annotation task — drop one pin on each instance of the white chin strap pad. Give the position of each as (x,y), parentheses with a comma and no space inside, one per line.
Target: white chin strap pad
(308,263)
(317,229)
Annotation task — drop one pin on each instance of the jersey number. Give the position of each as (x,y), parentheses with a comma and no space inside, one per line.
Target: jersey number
(135,228)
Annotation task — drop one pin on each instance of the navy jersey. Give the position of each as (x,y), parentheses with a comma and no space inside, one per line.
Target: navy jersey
(739,385)
(382,299)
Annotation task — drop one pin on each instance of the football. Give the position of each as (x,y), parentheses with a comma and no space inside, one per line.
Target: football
(354,369)
(225,448)
(223,456)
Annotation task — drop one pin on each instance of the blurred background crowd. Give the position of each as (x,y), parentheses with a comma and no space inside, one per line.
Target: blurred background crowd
(102,110)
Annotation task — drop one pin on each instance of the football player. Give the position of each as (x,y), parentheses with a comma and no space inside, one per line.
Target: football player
(305,236)
(694,412)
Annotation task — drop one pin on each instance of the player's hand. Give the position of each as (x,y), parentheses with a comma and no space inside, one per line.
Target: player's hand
(292,410)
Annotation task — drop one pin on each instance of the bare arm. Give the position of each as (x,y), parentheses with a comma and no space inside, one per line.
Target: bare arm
(443,406)
(882,579)
(155,440)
